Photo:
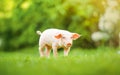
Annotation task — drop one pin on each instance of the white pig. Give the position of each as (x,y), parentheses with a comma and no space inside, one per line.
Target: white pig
(54,39)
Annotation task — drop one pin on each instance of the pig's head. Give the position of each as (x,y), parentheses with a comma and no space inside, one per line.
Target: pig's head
(66,39)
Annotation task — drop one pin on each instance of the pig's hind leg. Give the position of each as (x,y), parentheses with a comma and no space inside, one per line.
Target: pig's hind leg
(41,50)
(48,50)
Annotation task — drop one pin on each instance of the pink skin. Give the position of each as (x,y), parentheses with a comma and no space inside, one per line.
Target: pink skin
(54,39)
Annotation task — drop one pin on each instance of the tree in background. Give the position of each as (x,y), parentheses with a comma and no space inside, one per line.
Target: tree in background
(19,20)
(109,24)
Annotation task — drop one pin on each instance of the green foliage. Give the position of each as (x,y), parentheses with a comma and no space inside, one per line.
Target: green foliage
(19,20)
(102,61)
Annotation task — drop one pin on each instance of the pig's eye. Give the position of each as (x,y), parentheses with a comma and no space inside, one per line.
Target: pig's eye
(63,37)
(71,37)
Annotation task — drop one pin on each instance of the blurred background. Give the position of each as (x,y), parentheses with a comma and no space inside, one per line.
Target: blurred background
(98,21)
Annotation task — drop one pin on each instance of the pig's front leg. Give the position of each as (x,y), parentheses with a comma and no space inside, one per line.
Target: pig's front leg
(54,47)
(66,51)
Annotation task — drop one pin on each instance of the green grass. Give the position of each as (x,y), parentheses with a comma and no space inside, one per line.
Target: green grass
(102,61)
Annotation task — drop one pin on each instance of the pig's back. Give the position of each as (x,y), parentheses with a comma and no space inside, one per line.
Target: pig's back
(50,33)
(53,32)
(48,36)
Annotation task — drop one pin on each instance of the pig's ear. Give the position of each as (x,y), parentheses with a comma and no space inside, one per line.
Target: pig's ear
(58,36)
(75,36)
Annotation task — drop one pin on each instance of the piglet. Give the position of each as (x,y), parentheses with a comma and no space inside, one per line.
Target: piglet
(54,39)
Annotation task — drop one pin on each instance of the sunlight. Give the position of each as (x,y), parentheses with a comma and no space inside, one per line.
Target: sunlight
(8,6)
(25,5)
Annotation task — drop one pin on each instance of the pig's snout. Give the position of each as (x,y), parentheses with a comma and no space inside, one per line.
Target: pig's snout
(69,44)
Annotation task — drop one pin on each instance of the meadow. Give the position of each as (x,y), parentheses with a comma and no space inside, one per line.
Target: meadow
(100,61)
